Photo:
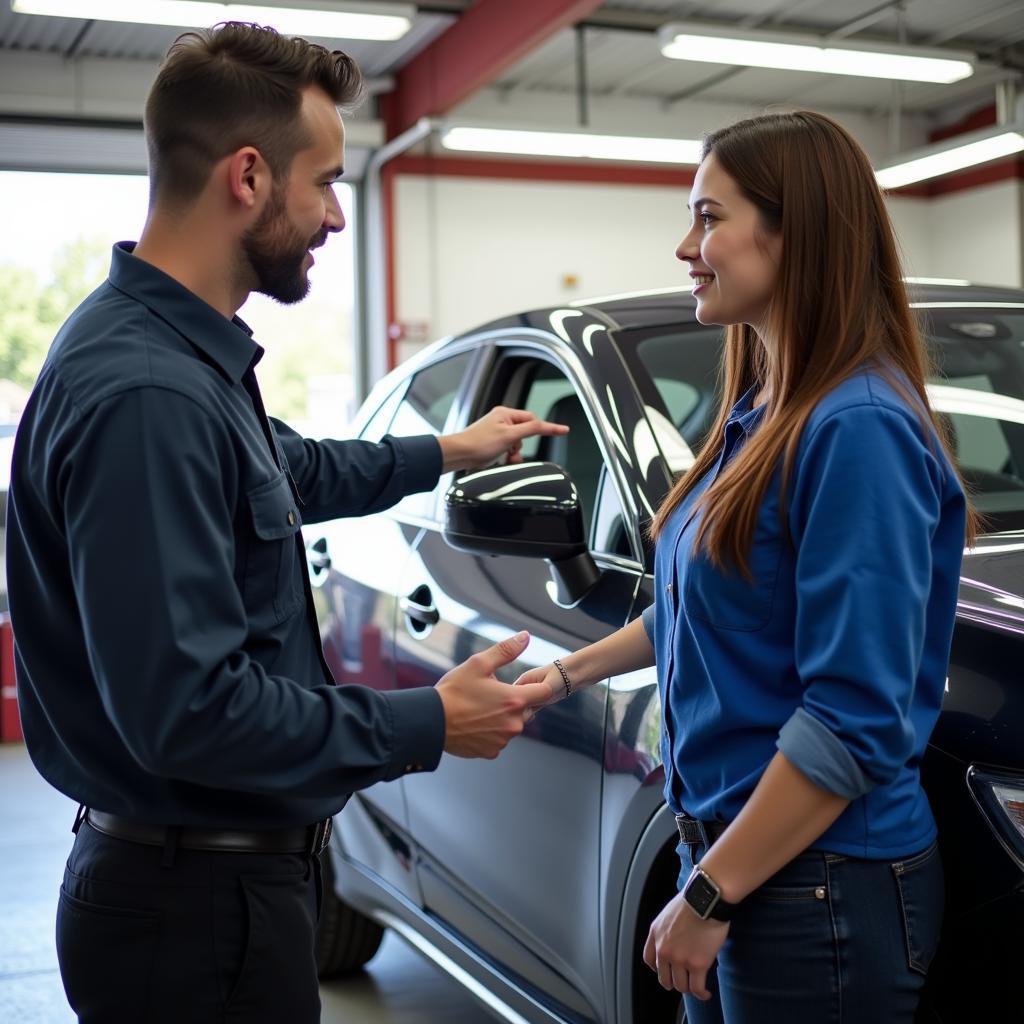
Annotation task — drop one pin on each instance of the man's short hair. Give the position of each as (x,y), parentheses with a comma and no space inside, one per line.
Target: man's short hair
(231,86)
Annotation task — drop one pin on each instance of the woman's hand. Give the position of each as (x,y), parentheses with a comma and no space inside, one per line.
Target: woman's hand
(549,675)
(681,948)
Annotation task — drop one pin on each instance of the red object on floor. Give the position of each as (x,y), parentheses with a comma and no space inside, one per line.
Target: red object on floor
(10,722)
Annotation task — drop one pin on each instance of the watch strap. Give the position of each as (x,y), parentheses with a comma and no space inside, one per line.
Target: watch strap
(705,898)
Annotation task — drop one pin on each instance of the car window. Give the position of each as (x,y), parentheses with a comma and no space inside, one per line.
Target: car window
(610,534)
(977,394)
(681,398)
(978,440)
(676,372)
(543,389)
(429,399)
(547,388)
(380,421)
(424,410)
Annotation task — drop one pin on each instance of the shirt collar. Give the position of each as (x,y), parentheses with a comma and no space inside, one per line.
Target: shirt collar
(227,343)
(744,413)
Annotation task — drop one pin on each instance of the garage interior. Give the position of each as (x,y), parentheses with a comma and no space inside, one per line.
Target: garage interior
(452,226)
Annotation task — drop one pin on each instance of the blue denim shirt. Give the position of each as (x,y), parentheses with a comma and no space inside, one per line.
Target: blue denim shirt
(836,653)
(167,652)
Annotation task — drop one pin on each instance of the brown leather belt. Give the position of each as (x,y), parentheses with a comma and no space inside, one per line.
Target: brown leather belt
(699,833)
(311,839)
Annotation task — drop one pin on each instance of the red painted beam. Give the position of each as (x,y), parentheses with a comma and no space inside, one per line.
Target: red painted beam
(544,170)
(981,118)
(489,38)
(1010,169)
(606,173)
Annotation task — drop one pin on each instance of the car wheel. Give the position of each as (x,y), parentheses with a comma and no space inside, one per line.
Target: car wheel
(345,939)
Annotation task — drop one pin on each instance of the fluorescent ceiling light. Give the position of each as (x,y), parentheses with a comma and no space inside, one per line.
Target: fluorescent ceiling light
(967,151)
(571,144)
(749,48)
(958,281)
(356,21)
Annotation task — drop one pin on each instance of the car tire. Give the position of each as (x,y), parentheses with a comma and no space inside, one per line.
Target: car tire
(345,938)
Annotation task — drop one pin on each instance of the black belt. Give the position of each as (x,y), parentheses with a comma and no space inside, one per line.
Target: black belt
(699,833)
(311,839)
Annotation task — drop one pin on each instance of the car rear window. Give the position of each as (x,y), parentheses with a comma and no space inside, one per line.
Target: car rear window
(977,392)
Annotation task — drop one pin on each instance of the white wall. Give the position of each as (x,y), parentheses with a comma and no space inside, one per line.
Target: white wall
(977,234)
(469,250)
(911,219)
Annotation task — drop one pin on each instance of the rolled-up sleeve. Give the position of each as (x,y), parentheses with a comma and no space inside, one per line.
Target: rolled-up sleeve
(866,500)
(648,617)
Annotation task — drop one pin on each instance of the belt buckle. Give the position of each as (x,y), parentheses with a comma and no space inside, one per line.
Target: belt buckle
(693,831)
(320,836)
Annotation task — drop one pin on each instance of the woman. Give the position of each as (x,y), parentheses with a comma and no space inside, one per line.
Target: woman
(807,570)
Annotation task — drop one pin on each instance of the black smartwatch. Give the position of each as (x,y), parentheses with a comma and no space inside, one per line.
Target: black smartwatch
(705,898)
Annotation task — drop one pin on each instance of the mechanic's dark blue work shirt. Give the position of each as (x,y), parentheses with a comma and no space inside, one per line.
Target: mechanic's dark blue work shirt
(168,658)
(837,652)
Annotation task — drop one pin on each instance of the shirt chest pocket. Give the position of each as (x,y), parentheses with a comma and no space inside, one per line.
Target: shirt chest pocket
(727,599)
(272,581)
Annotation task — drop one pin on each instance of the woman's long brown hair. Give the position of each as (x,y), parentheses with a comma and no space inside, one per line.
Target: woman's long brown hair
(839,302)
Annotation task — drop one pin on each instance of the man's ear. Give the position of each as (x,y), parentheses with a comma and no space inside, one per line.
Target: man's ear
(249,177)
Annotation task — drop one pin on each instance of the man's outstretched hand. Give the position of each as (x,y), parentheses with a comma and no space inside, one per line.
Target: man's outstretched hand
(482,713)
(501,432)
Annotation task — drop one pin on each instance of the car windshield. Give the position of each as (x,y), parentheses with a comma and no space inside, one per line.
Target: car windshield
(978,393)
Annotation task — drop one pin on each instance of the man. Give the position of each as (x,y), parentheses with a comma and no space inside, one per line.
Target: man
(169,667)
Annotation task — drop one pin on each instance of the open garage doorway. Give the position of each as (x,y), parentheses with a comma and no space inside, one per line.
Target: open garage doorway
(55,249)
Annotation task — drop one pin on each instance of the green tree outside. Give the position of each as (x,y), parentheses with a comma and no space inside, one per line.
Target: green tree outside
(31,311)
(307,339)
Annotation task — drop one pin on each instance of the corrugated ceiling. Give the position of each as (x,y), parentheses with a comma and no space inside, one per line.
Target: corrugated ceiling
(622,52)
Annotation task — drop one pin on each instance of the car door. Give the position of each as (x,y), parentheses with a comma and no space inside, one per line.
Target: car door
(508,849)
(356,567)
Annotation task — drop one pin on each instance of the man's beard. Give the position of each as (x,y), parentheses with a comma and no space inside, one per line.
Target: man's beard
(275,253)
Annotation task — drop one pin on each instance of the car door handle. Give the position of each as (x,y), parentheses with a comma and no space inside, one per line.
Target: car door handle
(317,557)
(424,614)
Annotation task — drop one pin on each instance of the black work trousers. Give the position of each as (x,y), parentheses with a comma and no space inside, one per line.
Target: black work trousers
(147,935)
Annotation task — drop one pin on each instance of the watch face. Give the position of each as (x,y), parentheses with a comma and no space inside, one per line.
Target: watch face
(700,893)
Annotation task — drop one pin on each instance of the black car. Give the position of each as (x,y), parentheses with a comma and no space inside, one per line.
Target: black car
(533,879)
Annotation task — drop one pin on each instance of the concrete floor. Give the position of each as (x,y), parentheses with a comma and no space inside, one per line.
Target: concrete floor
(397,987)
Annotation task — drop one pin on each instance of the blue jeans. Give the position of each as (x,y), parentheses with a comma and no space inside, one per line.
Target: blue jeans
(830,939)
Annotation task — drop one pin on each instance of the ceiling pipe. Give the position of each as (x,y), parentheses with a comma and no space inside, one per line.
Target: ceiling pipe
(582,89)
(1007,101)
(896,89)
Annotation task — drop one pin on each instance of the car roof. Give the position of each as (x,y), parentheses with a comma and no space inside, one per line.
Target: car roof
(669,305)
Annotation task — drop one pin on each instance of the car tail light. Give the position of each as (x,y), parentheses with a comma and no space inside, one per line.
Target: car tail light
(1001,799)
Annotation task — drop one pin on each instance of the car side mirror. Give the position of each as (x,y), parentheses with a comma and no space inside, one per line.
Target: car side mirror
(531,510)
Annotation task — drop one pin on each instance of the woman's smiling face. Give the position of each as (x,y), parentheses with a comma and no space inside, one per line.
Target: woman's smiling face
(734,260)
